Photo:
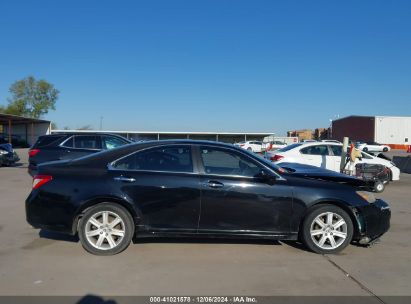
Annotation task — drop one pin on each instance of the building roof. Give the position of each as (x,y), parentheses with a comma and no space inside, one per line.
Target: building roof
(15,119)
(164,132)
(369,116)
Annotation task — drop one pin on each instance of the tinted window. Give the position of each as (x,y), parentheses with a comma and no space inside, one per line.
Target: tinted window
(111,142)
(224,162)
(315,150)
(87,142)
(171,158)
(68,143)
(337,150)
(46,140)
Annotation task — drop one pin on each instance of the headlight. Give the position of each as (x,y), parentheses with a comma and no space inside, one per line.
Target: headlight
(368,196)
(3,152)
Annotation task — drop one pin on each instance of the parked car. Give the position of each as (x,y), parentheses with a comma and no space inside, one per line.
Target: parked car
(273,145)
(16,140)
(372,147)
(200,189)
(325,155)
(69,146)
(8,156)
(254,146)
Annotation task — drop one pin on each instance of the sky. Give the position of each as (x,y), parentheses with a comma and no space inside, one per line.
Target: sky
(211,65)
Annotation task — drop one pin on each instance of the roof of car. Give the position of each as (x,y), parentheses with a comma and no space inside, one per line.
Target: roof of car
(103,156)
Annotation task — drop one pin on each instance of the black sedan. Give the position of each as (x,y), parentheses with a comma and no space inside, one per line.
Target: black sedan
(200,189)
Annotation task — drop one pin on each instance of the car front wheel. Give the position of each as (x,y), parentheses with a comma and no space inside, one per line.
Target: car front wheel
(327,229)
(106,229)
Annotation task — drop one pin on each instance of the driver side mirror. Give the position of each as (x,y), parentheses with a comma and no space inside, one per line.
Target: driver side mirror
(266,177)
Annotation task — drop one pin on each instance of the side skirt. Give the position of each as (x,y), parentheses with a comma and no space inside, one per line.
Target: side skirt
(220,235)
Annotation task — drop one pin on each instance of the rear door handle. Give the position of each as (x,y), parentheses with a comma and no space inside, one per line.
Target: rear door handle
(215,184)
(125,179)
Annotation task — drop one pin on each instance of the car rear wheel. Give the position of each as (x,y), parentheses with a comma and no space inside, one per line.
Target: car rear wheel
(385,149)
(250,149)
(106,229)
(365,149)
(379,186)
(327,229)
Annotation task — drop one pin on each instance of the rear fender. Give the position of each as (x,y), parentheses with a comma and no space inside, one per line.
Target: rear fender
(133,210)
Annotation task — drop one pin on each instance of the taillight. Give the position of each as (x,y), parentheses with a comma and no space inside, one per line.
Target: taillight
(40,180)
(276,157)
(33,152)
(242,145)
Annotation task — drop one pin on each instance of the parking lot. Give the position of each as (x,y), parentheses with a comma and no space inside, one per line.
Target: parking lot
(36,262)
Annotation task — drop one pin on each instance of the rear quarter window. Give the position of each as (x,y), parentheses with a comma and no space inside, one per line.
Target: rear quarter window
(44,141)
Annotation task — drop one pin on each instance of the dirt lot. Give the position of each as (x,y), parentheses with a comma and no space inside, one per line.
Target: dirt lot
(41,263)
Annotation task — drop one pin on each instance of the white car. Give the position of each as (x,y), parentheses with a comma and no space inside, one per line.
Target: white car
(324,155)
(372,147)
(253,146)
(273,145)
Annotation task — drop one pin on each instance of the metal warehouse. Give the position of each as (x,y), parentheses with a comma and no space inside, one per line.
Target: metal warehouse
(390,130)
(228,137)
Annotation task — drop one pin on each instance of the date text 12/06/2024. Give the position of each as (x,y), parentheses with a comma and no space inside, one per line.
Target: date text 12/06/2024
(203,299)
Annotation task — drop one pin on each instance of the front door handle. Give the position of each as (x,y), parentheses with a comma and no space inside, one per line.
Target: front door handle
(125,179)
(215,184)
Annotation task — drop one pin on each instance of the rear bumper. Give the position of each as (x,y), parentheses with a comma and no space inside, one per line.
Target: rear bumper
(51,213)
(395,173)
(373,220)
(32,169)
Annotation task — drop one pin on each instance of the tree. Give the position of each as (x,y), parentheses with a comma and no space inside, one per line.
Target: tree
(31,98)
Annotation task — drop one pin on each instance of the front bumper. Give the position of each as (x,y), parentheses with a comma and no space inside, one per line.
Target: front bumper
(373,220)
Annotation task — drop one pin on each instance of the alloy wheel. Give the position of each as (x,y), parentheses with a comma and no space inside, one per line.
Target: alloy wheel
(328,230)
(105,230)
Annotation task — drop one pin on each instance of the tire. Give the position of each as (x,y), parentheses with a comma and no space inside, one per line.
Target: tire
(365,149)
(385,149)
(106,239)
(379,186)
(250,149)
(312,234)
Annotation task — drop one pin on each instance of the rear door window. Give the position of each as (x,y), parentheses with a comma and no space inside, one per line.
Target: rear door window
(315,150)
(168,159)
(90,142)
(336,150)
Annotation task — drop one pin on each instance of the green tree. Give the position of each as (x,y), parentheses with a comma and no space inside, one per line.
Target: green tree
(31,98)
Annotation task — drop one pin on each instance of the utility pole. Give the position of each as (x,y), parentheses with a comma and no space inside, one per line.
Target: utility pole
(344,154)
